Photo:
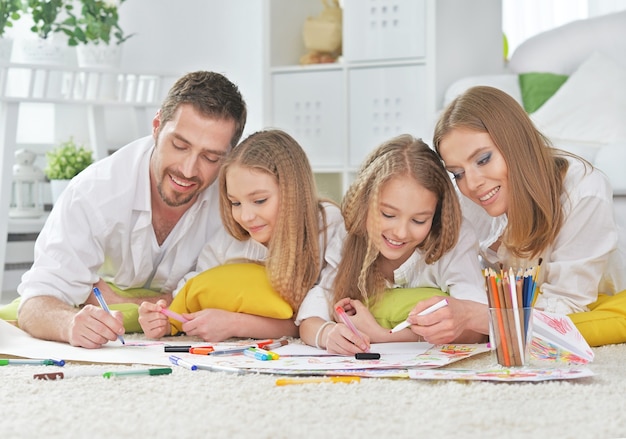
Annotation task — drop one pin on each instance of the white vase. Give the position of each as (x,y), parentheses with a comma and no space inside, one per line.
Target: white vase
(48,52)
(51,83)
(103,81)
(57,187)
(99,56)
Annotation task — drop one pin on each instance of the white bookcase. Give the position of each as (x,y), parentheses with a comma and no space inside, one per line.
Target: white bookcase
(81,90)
(399,56)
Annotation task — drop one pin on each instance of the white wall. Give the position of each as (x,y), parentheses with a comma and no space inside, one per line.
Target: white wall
(225,36)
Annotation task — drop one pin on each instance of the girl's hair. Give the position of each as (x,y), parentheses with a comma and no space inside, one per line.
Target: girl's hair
(535,169)
(294,263)
(358,274)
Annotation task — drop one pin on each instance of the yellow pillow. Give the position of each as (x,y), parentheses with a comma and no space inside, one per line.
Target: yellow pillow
(396,303)
(605,323)
(237,287)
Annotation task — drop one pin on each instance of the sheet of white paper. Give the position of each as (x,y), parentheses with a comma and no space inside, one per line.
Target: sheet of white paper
(502,374)
(14,341)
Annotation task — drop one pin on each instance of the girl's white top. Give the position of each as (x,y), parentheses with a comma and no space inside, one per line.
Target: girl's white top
(223,248)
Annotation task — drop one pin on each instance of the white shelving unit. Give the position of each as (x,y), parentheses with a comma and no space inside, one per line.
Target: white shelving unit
(93,91)
(399,56)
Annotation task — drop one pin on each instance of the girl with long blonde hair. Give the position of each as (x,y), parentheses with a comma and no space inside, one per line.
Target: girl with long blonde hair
(404,231)
(273,218)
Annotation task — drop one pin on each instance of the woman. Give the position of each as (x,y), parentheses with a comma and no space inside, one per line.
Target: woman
(529,202)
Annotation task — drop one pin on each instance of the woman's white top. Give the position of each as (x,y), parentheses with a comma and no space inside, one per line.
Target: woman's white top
(224,248)
(583,261)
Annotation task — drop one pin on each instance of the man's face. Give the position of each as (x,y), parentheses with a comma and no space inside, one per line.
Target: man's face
(188,154)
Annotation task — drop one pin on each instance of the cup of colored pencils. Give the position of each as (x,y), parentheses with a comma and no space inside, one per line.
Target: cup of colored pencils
(511,295)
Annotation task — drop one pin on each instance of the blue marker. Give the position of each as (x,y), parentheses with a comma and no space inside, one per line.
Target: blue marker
(103,304)
(46,362)
(256,354)
(180,362)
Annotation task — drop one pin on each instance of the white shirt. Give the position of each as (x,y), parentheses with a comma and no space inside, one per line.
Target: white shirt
(224,248)
(101,227)
(457,273)
(584,260)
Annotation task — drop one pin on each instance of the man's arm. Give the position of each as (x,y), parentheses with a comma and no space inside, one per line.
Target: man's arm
(111,297)
(48,318)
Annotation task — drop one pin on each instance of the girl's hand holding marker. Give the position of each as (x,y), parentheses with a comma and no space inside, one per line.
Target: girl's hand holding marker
(428,310)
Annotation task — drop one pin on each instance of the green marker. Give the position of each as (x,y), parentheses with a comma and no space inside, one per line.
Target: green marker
(156,371)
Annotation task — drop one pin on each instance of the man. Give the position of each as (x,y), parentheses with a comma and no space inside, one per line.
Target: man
(134,223)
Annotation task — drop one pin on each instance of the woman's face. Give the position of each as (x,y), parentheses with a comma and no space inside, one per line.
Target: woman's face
(478,168)
(402,220)
(255,201)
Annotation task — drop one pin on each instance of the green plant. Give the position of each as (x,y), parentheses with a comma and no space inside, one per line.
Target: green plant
(45,14)
(83,21)
(67,160)
(10,11)
(98,22)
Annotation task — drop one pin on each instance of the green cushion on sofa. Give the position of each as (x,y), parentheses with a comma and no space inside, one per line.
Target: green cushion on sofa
(537,88)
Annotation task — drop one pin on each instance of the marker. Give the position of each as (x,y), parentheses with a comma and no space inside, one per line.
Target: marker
(137,372)
(174,315)
(201,350)
(33,362)
(230,351)
(255,354)
(176,349)
(349,324)
(180,362)
(270,354)
(103,304)
(263,343)
(276,344)
(215,368)
(366,356)
(428,310)
(337,379)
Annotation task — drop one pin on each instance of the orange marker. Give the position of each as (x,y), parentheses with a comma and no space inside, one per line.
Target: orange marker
(201,350)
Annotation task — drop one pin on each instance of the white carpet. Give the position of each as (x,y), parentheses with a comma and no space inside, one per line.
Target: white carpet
(194,404)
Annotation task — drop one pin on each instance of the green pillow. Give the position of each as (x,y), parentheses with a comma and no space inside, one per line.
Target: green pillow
(395,305)
(130,312)
(537,88)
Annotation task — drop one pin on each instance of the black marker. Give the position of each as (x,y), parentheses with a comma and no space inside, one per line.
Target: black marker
(367,356)
(176,348)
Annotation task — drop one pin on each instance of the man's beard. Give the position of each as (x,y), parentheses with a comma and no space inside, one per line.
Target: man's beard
(178,201)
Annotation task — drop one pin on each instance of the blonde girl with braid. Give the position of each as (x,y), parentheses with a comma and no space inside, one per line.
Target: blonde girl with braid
(279,237)
(405,244)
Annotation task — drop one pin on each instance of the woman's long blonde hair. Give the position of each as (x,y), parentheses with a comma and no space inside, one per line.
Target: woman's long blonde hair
(358,274)
(535,169)
(293,263)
